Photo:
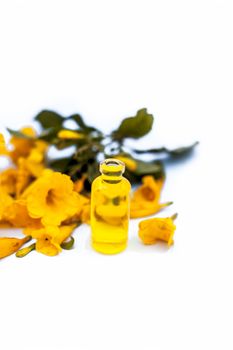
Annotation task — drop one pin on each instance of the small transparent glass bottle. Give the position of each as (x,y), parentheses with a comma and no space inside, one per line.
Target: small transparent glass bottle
(110,208)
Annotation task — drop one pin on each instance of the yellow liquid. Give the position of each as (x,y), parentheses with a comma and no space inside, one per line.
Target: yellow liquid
(110,214)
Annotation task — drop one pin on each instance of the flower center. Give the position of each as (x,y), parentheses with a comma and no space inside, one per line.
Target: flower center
(148,194)
(50,198)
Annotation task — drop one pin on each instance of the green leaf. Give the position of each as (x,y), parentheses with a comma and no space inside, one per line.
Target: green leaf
(151,150)
(68,244)
(182,151)
(60,164)
(177,152)
(149,168)
(49,119)
(92,171)
(74,169)
(79,120)
(62,144)
(19,134)
(135,127)
(49,134)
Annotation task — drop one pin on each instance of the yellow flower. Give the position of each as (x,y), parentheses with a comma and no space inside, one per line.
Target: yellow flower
(30,148)
(145,200)
(5,201)
(8,179)
(152,230)
(70,135)
(30,167)
(86,213)
(3,149)
(23,176)
(29,158)
(79,184)
(15,180)
(49,238)
(22,146)
(16,214)
(129,162)
(10,245)
(52,198)
(35,162)
(83,212)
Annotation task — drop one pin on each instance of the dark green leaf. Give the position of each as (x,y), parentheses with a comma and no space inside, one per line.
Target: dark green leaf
(63,143)
(135,127)
(59,164)
(149,168)
(79,120)
(68,244)
(151,150)
(49,134)
(182,151)
(178,152)
(49,119)
(75,169)
(19,134)
(93,171)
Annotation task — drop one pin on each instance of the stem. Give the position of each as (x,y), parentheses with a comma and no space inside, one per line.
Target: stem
(174,216)
(25,251)
(27,239)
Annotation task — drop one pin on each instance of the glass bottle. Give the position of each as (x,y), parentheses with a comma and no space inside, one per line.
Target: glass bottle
(110,208)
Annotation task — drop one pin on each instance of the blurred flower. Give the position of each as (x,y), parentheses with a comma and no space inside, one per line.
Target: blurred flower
(17,215)
(5,201)
(129,162)
(22,146)
(145,200)
(70,134)
(8,179)
(152,230)
(29,147)
(86,213)
(3,149)
(79,184)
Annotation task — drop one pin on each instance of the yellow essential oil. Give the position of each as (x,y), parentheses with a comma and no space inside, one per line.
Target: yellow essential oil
(110,208)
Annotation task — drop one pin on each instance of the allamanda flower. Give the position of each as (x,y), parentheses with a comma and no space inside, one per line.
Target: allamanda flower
(5,201)
(82,214)
(145,200)
(28,147)
(35,162)
(8,180)
(50,238)
(129,162)
(52,199)
(152,230)
(22,146)
(3,149)
(79,184)
(15,180)
(70,135)
(17,215)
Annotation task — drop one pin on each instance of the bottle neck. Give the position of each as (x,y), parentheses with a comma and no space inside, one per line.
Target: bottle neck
(111,178)
(112,170)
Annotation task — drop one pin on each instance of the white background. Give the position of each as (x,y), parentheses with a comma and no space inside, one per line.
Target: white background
(106,59)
